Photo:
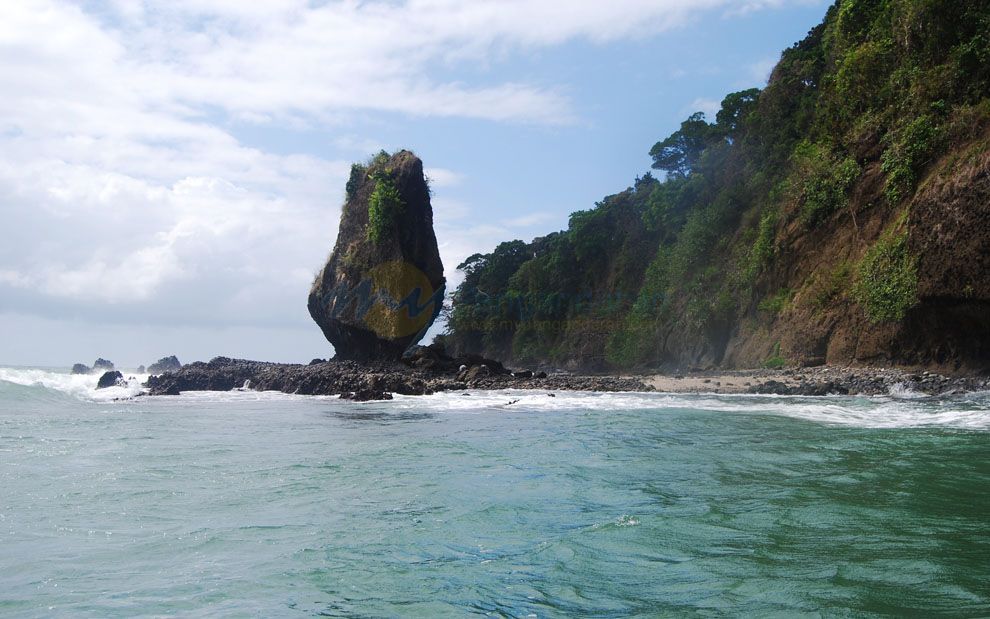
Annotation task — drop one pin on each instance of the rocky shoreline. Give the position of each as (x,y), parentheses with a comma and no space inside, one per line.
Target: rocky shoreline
(428,371)
(820,381)
(374,381)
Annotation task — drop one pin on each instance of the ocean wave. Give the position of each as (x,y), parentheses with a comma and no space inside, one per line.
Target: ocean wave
(900,409)
(970,411)
(80,386)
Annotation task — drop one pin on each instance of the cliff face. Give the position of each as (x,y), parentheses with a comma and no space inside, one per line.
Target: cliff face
(383,285)
(944,232)
(840,215)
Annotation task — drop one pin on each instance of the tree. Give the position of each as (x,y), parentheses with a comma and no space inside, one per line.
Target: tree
(735,108)
(678,154)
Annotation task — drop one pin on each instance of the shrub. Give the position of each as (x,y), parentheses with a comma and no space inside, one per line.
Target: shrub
(763,247)
(378,160)
(825,182)
(354,181)
(887,280)
(775,360)
(861,70)
(777,303)
(384,206)
(911,149)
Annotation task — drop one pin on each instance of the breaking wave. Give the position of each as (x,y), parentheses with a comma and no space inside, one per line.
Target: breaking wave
(80,386)
(900,409)
(897,410)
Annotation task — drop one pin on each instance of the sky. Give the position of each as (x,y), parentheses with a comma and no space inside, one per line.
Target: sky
(172,172)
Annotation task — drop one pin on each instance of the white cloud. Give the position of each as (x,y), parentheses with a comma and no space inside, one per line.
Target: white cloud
(530,220)
(749,6)
(124,188)
(442,177)
(759,71)
(709,106)
(360,146)
(448,211)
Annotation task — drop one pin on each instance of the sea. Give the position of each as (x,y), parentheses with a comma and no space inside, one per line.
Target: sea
(491,504)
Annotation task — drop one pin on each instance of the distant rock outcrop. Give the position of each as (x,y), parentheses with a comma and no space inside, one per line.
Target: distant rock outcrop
(366,395)
(383,285)
(110,379)
(165,364)
(368,381)
(141,369)
(80,368)
(102,364)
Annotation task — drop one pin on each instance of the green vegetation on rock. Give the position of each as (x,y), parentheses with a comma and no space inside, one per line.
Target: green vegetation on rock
(668,270)
(775,361)
(777,303)
(354,180)
(887,279)
(384,206)
(825,181)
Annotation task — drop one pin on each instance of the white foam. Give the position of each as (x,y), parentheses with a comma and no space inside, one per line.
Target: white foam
(907,410)
(902,409)
(901,390)
(82,386)
(241,394)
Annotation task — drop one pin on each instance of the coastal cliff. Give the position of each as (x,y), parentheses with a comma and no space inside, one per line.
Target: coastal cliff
(841,215)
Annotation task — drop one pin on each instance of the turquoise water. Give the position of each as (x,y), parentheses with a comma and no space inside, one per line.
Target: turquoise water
(268,505)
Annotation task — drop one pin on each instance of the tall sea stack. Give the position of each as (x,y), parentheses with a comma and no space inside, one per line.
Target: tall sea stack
(383,285)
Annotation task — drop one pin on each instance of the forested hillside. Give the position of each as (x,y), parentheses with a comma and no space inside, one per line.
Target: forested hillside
(841,215)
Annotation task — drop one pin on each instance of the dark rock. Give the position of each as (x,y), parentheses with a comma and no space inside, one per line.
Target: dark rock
(383,285)
(493,366)
(317,361)
(80,368)
(165,364)
(775,387)
(341,376)
(428,357)
(473,373)
(523,374)
(540,375)
(366,395)
(102,364)
(110,379)
(434,358)
(141,370)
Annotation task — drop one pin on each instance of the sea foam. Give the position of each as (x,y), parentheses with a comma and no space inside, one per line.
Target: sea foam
(901,409)
(970,411)
(82,386)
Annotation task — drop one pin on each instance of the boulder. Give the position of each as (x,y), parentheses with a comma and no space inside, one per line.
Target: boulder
(165,364)
(80,368)
(366,395)
(383,285)
(102,364)
(473,373)
(110,379)
(141,370)
(432,357)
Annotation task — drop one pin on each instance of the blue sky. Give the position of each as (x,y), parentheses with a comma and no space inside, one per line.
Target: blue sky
(171,173)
